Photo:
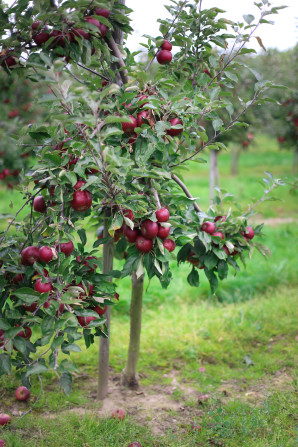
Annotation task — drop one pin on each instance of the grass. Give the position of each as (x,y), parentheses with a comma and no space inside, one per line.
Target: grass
(243,337)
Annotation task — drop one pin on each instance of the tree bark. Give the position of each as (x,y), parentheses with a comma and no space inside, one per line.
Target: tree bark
(129,374)
(104,343)
(295,161)
(214,173)
(235,155)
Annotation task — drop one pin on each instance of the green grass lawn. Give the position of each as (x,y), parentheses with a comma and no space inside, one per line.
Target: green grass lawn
(243,337)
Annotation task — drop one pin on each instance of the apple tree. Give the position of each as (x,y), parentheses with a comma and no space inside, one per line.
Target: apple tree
(112,151)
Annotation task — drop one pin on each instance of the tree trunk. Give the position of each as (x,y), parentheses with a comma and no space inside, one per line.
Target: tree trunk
(214,174)
(235,155)
(108,254)
(129,374)
(295,161)
(104,343)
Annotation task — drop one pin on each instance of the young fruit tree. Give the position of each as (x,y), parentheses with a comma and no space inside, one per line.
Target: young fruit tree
(112,151)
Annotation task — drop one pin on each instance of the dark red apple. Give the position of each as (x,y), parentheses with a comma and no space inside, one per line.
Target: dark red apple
(162,215)
(43,287)
(22,393)
(41,38)
(66,247)
(25,333)
(102,28)
(281,139)
(169,244)
(102,12)
(143,245)
(39,204)
(4,419)
(143,114)
(203,399)
(80,32)
(129,214)
(129,126)
(226,250)
(2,443)
(84,321)
(118,414)
(164,57)
(13,113)
(29,255)
(175,132)
(30,307)
(163,232)
(166,45)
(133,138)
(116,296)
(220,218)
(46,254)
(79,184)
(100,310)
(248,233)
(149,229)
(36,25)
(130,235)
(208,227)
(81,201)
(9,61)
(60,38)
(18,278)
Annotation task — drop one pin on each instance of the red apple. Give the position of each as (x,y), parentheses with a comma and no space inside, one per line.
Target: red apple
(129,126)
(133,138)
(18,278)
(29,255)
(163,232)
(169,244)
(80,32)
(130,235)
(220,218)
(226,250)
(166,45)
(164,57)
(60,38)
(141,98)
(149,229)
(79,184)
(39,204)
(129,214)
(81,201)
(13,113)
(4,419)
(102,12)
(30,307)
(46,254)
(116,296)
(203,399)
(84,321)
(36,25)
(10,61)
(281,139)
(162,215)
(175,132)
(26,333)
(196,427)
(248,233)
(208,227)
(218,234)
(22,393)
(100,310)
(143,114)
(118,414)
(2,443)
(102,28)
(66,247)
(43,287)
(41,38)
(143,245)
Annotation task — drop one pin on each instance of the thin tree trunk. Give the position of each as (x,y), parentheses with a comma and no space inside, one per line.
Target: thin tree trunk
(108,254)
(104,343)
(235,155)
(295,161)
(129,374)
(214,174)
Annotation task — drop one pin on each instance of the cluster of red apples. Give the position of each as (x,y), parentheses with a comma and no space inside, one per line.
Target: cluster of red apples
(146,231)
(22,394)
(164,55)
(61,38)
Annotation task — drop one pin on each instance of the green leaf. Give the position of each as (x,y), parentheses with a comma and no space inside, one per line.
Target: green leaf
(222,269)
(82,235)
(47,324)
(71,348)
(38,368)
(212,278)
(193,278)
(27,295)
(5,364)
(20,344)
(249,18)
(210,261)
(4,324)
(66,382)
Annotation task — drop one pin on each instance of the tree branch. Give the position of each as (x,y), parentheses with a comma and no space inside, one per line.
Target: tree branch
(186,191)
(114,47)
